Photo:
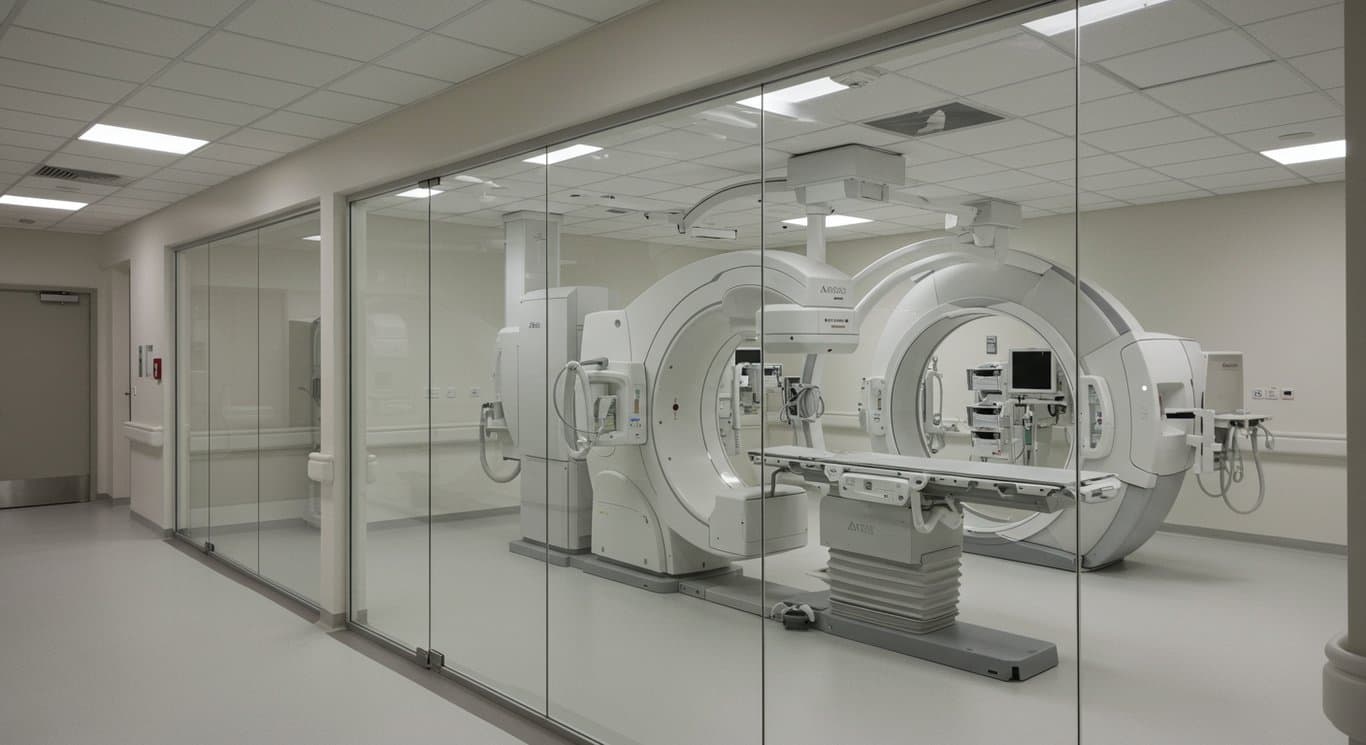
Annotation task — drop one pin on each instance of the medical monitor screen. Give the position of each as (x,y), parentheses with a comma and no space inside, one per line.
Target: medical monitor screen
(744,355)
(1032,371)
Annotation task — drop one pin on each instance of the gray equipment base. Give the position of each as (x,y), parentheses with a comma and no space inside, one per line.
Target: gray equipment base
(976,649)
(628,575)
(541,552)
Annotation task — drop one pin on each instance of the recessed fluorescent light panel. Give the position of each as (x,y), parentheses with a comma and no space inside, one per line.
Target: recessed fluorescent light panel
(563,154)
(1287,156)
(1104,10)
(419,193)
(832,221)
(314,238)
(47,204)
(795,93)
(141,138)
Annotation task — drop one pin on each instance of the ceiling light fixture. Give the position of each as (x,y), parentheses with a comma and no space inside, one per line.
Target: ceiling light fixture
(47,204)
(419,193)
(561,155)
(1308,153)
(142,139)
(795,93)
(314,238)
(831,221)
(1104,10)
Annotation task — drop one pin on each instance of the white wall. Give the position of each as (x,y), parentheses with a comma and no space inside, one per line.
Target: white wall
(52,260)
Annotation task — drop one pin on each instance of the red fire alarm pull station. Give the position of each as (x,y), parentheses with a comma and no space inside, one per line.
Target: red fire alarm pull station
(156,369)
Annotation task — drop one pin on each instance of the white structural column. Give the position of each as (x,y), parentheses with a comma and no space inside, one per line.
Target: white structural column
(1344,675)
(329,465)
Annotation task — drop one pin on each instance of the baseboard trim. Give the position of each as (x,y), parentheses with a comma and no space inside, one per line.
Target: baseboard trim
(117,501)
(148,522)
(102,497)
(1265,540)
(399,522)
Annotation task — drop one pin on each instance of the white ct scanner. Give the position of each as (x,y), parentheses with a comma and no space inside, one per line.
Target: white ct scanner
(640,487)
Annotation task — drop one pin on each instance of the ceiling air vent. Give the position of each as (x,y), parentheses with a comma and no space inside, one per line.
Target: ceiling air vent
(76,174)
(946,118)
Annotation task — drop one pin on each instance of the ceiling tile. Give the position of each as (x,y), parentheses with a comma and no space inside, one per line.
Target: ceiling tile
(842,135)
(160,121)
(1215,166)
(181,175)
(1326,69)
(1300,108)
(1108,113)
(942,46)
(1231,88)
(623,162)
(1052,151)
(80,56)
(1250,11)
(1016,58)
(918,152)
(1258,186)
(1321,168)
(209,165)
(122,168)
(1302,33)
(1155,189)
(48,104)
(122,154)
(1254,176)
(69,83)
(168,101)
(1171,21)
(994,136)
(383,84)
(303,125)
(514,26)
(112,25)
(52,125)
(322,28)
(678,145)
(1093,166)
(271,60)
(203,12)
(1318,130)
(173,188)
(74,190)
(1056,91)
(1338,94)
(989,184)
(947,170)
(597,10)
(1147,134)
(1103,181)
(14,167)
(235,154)
(889,94)
(1187,59)
(688,174)
(30,139)
(444,58)
(263,140)
(420,13)
(141,200)
(1172,197)
(234,86)
(1180,152)
(344,107)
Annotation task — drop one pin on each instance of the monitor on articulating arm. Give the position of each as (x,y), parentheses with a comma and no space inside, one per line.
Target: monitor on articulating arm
(1033,372)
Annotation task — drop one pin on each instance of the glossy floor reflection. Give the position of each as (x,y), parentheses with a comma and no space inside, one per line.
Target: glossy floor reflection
(1191,640)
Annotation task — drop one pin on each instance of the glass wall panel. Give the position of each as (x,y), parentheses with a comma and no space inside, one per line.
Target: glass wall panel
(234,400)
(290,381)
(392,400)
(1226,257)
(488,273)
(192,393)
(654,631)
(931,391)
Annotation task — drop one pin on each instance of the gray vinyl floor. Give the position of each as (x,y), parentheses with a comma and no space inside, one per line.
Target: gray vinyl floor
(112,636)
